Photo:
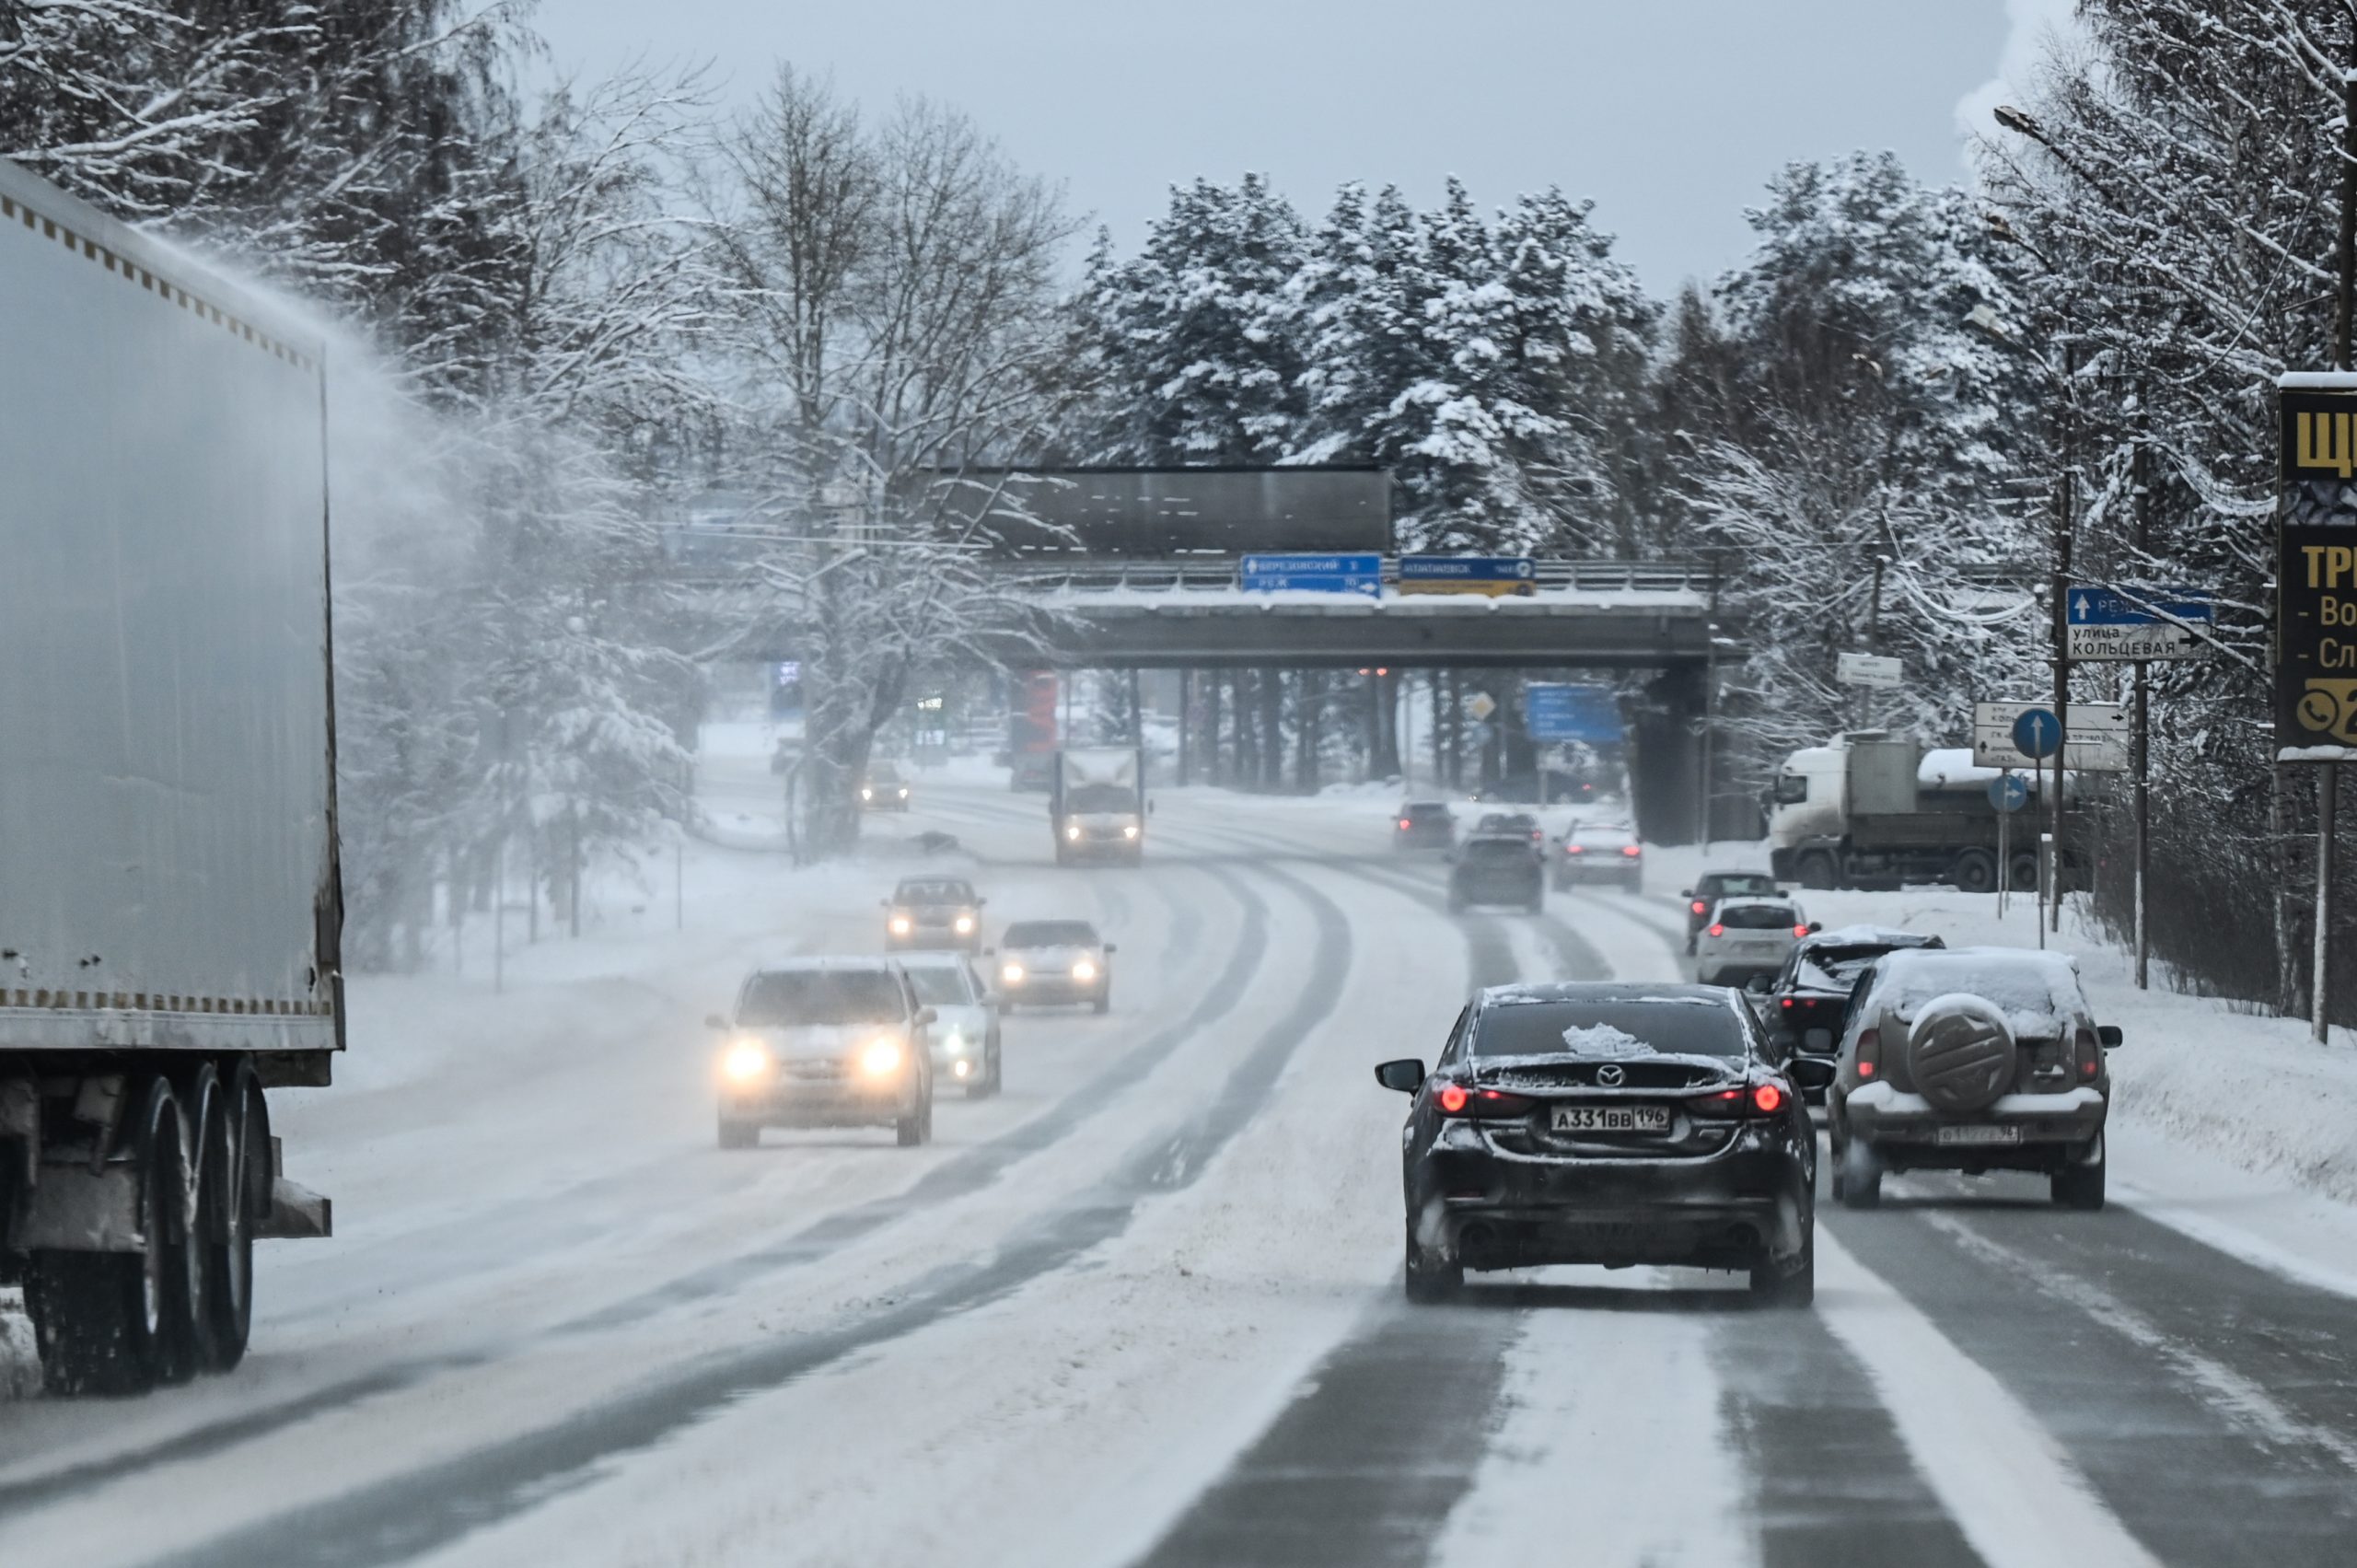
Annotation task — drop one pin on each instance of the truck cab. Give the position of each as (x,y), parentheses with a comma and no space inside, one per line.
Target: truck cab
(1096,804)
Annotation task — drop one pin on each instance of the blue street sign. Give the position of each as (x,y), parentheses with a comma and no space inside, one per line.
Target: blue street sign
(1312,574)
(2038,733)
(2093,604)
(1491,575)
(2009,792)
(1556,712)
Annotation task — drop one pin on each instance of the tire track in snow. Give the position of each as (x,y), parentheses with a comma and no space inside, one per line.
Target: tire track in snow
(406,1516)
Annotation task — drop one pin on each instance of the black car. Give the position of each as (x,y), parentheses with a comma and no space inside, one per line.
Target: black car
(1423,824)
(1497,868)
(1521,822)
(1810,996)
(934,912)
(882,788)
(1608,1123)
(1705,895)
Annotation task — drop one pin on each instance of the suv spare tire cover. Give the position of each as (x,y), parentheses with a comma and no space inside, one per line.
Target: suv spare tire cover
(1960,1053)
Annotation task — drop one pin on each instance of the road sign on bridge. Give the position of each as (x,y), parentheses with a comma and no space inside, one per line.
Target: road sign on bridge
(1495,575)
(1555,713)
(1311,574)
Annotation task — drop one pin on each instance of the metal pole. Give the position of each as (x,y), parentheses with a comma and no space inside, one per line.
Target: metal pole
(2327,801)
(2004,853)
(499,917)
(2144,822)
(2045,860)
(1186,696)
(680,882)
(1710,713)
(2065,501)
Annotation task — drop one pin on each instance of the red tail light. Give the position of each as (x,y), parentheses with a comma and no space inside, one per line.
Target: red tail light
(1575,849)
(1631,849)
(1701,907)
(1869,1052)
(1456,1099)
(1403,822)
(1767,1099)
(1759,1099)
(1787,1002)
(1800,930)
(1717,930)
(2089,1050)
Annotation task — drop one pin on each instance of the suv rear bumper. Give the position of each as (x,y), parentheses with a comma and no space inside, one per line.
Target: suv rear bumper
(1909,1126)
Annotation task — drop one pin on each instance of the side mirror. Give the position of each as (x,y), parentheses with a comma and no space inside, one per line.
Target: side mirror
(1407,1074)
(2107,1036)
(1686,892)
(1110,949)
(1812,1072)
(1815,926)
(928,1015)
(1759,985)
(714,1021)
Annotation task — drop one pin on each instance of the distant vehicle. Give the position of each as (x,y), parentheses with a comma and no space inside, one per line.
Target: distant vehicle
(1031,753)
(1712,885)
(1971,1059)
(1612,1124)
(1096,805)
(1747,939)
(1806,1002)
(826,1042)
(1496,868)
(1600,852)
(931,912)
(1880,811)
(883,788)
(965,1026)
(1521,822)
(1423,824)
(1045,961)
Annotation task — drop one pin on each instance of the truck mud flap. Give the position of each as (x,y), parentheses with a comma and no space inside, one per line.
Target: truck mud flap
(296,1213)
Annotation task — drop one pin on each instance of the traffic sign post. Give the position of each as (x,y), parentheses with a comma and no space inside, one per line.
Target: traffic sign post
(1868,669)
(2097,742)
(2008,794)
(2130,625)
(2037,734)
(1311,574)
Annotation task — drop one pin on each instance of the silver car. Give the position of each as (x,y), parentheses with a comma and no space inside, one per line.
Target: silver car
(965,1026)
(1052,961)
(826,1042)
(1747,939)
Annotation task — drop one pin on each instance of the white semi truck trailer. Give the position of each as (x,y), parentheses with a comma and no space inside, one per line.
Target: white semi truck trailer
(170,900)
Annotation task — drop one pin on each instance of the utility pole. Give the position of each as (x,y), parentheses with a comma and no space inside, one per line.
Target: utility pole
(2064,500)
(1874,625)
(1710,712)
(2344,321)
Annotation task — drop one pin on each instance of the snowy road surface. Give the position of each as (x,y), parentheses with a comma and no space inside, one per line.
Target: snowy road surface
(1144,1307)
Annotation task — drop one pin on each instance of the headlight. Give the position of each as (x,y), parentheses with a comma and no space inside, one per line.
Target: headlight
(1072,831)
(900,926)
(963,926)
(904,795)
(955,1044)
(1012,974)
(881,1058)
(1131,832)
(1084,970)
(747,1061)
(867,794)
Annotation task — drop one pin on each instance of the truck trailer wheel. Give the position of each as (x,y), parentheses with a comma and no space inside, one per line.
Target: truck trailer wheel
(233,1193)
(1974,871)
(1818,871)
(117,1322)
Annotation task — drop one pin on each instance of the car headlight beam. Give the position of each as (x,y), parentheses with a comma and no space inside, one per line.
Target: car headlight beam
(963,926)
(900,926)
(746,1062)
(880,1058)
(1072,831)
(1081,970)
(1012,974)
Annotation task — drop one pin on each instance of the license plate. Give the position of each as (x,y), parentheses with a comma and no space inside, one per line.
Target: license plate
(1976,1135)
(1609,1118)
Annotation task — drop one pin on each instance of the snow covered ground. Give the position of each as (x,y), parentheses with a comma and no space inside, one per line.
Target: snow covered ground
(1143,1307)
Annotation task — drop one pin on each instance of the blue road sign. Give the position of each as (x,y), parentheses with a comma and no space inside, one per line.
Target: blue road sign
(1312,574)
(2125,625)
(2038,733)
(1556,712)
(2009,792)
(1491,574)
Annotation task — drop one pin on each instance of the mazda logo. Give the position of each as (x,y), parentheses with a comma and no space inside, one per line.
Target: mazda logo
(1610,1077)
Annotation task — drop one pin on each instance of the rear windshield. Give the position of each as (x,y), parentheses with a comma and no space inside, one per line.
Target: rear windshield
(784,998)
(1424,808)
(1835,968)
(1758,917)
(1504,822)
(935,893)
(2033,992)
(1672,1027)
(1051,934)
(1497,850)
(1601,835)
(1741,884)
(940,985)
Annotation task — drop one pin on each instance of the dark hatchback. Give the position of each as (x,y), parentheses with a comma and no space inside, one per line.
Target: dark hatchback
(1809,998)
(1612,1124)
(1497,868)
(1423,824)
(1713,887)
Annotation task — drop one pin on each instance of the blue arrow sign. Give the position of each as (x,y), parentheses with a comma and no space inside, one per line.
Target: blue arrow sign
(1312,574)
(1554,712)
(2094,605)
(2008,791)
(2038,733)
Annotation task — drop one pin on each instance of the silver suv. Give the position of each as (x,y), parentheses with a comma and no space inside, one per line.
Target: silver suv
(1973,1059)
(826,1042)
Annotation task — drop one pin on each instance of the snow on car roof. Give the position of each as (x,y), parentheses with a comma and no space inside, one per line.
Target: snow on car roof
(1756,900)
(2033,988)
(1872,935)
(803,964)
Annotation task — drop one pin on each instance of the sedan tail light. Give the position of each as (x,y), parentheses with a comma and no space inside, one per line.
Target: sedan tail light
(1456,1099)
(1630,850)
(1575,849)
(1758,1099)
(1869,1052)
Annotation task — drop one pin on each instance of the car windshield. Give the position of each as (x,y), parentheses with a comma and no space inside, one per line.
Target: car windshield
(1671,1025)
(1101,797)
(1727,885)
(1758,917)
(882,774)
(1835,968)
(941,985)
(1416,809)
(787,998)
(935,893)
(1601,836)
(1050,934)
(1490,851)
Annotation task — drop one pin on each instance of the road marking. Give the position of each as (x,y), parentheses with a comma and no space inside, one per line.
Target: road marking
(2018,1497)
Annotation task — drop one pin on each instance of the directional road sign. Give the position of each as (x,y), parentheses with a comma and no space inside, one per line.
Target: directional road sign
(2009,792)
(1312,574)
(1869,669)
(1494,575)
(1480,705)
(2097,742)
(2037,733)
(1554,712)
(2119,624)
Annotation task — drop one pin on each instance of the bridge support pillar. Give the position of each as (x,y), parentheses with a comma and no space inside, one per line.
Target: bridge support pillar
(1665,772)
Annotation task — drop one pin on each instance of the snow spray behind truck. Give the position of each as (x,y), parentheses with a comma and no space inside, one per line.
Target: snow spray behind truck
(170,899)
(1097,803)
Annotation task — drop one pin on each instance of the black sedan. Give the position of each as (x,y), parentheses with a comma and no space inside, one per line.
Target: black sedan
(1496,868)
(1423,824)
(1611,1124)
(1810,996)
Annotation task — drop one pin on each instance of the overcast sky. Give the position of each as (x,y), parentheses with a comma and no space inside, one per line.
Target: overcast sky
(1670,115)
